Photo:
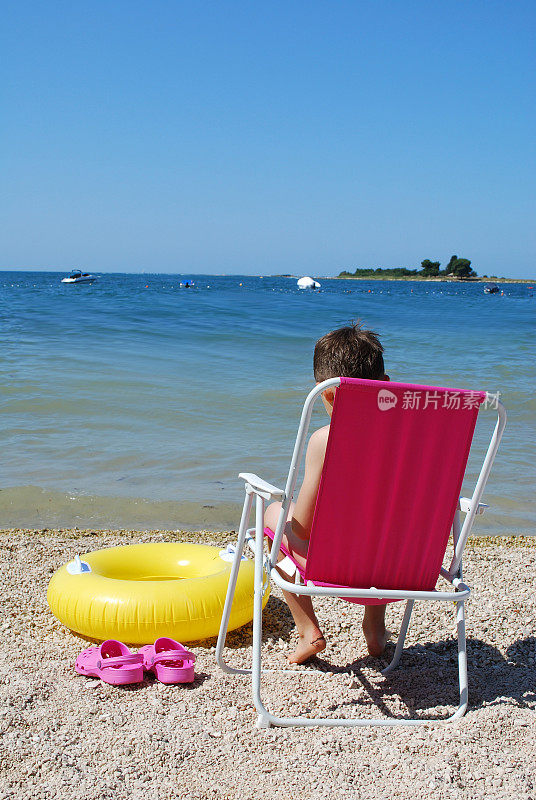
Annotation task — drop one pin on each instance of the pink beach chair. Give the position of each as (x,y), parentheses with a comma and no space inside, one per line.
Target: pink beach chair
(389,497)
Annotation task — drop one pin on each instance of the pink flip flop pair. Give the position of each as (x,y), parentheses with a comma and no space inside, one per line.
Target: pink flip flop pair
(114,663)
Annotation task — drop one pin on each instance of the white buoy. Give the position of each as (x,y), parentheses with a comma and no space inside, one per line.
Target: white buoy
(308,283)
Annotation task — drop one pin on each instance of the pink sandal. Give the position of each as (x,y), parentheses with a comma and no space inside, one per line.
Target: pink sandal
(169,660)
(112,662)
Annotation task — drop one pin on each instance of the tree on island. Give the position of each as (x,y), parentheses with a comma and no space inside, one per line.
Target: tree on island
(449,268)
(460,267)
(429,268)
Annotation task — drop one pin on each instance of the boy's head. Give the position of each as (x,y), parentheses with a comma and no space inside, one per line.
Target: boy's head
(350,352)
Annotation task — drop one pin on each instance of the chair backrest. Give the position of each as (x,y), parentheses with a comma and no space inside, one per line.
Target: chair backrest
(392,475)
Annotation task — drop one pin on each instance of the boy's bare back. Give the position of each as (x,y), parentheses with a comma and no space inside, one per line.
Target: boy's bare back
(304,509)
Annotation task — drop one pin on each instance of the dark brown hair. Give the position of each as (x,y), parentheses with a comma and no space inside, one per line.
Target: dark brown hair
(351,352)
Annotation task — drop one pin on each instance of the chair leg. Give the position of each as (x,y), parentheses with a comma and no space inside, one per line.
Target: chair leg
(462,661)
(263,720)
(233,577)
(401,638)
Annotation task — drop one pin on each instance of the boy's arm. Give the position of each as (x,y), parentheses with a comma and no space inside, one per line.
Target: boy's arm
(302,519)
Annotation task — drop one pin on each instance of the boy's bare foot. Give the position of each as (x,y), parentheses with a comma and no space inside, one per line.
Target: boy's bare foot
(307,649)
(376,637)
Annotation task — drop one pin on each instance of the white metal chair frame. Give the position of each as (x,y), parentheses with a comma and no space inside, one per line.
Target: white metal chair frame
(261,491)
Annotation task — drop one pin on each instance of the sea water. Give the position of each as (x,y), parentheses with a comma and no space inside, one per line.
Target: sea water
(135,401)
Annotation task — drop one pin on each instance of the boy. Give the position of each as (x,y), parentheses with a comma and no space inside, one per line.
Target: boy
(351,352)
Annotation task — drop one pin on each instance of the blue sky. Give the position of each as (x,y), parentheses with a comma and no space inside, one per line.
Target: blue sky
(242,137)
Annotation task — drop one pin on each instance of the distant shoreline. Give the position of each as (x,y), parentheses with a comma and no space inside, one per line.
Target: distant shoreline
(443,279)
(426,280)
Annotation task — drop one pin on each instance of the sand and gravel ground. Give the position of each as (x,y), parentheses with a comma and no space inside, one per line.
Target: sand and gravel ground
(65,736)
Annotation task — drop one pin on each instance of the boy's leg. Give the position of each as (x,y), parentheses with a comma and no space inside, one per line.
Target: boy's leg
(301,606)
(374,629)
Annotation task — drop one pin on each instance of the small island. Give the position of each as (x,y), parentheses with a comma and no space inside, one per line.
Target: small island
(458,269)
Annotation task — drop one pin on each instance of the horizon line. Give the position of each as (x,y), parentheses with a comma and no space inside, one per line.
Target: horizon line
(240,274)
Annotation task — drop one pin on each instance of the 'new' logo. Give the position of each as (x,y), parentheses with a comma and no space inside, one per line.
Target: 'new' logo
(386,400)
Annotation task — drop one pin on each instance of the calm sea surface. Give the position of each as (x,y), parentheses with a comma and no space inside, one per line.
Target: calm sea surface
(134,402)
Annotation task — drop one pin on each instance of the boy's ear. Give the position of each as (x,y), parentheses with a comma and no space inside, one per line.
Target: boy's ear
(329,394)
(386,378)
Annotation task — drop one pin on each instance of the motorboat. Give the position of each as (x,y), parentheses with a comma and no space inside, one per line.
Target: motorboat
(491,288)
(77,276)
(308,283)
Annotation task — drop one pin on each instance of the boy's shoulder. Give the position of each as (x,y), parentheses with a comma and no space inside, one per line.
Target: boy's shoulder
(321,434)
(318,442)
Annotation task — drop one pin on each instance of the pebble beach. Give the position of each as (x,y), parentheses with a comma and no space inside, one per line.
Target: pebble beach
(67,736)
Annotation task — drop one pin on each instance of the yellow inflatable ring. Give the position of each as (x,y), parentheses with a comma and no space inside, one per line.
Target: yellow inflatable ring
(137,593)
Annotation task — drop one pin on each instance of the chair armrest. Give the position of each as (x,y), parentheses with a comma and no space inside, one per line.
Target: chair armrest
(465,506)
(260,487)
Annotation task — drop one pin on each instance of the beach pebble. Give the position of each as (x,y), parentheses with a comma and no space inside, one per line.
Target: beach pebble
(213,733)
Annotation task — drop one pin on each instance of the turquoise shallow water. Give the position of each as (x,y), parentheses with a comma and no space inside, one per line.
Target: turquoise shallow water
(134,402)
